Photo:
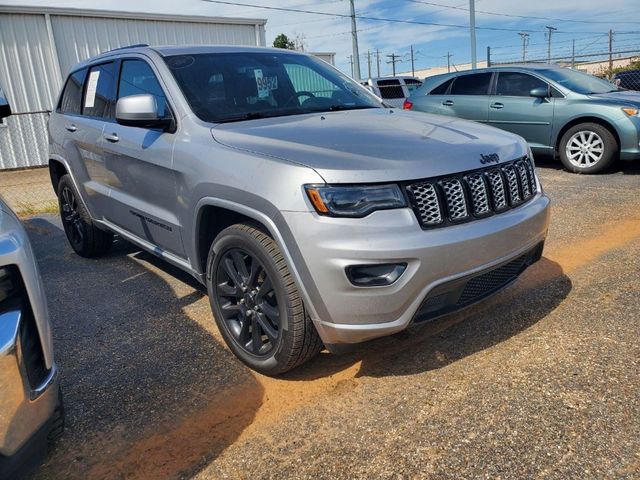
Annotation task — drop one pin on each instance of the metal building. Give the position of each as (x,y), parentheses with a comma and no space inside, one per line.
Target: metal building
(39,45)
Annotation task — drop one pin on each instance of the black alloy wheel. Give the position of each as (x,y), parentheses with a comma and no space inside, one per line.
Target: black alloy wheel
(248,302)
(71,220)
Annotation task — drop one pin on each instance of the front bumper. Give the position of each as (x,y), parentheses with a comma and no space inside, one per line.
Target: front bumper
(435,257)
(29,393)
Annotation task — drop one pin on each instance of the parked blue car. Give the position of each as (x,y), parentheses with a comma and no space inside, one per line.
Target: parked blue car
(586,121)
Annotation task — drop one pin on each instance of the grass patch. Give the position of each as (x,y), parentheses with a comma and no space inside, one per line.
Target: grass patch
(24,209)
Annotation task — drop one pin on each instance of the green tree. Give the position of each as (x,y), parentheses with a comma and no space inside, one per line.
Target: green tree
(282,41)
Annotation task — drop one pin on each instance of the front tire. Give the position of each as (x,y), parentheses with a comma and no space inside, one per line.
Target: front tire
(85,238)
(588,148)
(256,304)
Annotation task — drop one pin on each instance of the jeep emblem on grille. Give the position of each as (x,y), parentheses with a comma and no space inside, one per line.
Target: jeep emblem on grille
(491,158)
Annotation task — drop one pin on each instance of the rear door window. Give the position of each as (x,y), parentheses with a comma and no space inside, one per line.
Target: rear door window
(516,84)
(137,78)
(71,100)
(474,84)
(100,91)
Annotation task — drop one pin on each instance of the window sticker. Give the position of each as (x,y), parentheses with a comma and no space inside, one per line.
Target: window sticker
(265,84)
(90,98)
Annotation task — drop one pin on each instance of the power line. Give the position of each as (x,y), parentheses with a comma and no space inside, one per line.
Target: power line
(521,16)
(374,19)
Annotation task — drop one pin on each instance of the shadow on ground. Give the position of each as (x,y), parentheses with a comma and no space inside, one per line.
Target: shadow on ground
(151,394)
(135,366)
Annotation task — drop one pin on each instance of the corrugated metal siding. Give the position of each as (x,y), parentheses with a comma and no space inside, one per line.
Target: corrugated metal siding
(30,75)
(27,74)
(78,38)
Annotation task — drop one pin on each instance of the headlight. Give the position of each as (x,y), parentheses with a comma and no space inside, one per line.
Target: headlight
(632,112)
(354,200)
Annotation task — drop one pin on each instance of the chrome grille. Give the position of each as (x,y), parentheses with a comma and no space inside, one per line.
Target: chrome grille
(461,197)
(512,183)
(426,202)
(454,195)
(524,179)
(497,189)
(479,194)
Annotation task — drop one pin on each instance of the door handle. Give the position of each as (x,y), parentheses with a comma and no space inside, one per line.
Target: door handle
(497,105)
(71,127)
(113,138)
(447,103)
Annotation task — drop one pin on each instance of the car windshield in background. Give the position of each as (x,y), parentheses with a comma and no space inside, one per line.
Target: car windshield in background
(579,82)
(225,87)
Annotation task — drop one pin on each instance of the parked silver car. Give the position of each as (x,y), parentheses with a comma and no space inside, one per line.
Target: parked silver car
(312,214)
(30,402)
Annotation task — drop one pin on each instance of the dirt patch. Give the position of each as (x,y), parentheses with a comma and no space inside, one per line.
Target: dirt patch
(193,442)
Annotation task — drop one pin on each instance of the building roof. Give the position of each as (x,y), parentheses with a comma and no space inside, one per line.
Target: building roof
(85,12)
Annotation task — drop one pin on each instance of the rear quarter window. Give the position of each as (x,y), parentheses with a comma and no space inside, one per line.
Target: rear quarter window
(71,99)
(442,88)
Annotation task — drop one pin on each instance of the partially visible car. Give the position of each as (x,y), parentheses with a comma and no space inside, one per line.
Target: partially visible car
(393,90)
(629,80)
(586,121)
(31,412)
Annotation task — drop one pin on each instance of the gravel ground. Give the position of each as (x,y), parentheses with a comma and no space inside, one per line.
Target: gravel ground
(541,381)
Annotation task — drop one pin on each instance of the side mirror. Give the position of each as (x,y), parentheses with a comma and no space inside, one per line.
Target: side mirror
(540,92)
(5,108)
(140,111)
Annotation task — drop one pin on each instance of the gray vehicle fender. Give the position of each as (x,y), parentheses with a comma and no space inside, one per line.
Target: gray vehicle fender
(289,249)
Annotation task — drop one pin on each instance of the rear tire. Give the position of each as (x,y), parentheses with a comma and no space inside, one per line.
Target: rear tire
(256,304)
(85,238)
(588,148)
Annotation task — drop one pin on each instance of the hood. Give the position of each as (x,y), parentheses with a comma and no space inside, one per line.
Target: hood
(629,97)
(372,145)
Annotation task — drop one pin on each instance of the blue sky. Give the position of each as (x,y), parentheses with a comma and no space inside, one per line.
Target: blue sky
(586,21)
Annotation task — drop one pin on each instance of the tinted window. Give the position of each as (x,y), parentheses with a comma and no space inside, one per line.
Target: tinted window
(441,89)
(99,95)
(226,87)
(476,84)
(71,101)
(137,78)
(516,84)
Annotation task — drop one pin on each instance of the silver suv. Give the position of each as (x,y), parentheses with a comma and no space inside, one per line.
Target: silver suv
(312,214)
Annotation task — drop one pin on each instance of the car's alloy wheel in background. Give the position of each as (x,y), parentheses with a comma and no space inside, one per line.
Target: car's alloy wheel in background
(588,148)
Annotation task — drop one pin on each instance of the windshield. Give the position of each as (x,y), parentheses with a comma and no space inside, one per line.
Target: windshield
(224,87)
(579,82)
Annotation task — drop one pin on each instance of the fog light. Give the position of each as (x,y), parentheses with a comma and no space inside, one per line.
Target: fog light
(375,275)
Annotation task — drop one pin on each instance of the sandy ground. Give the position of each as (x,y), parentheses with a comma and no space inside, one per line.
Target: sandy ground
(541,381)
(28,191)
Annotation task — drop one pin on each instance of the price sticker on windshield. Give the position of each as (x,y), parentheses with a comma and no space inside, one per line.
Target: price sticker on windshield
(265,84)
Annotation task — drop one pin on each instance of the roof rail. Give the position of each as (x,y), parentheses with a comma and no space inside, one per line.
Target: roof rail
(128,46)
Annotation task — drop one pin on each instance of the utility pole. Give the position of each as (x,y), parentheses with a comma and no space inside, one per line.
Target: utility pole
(369,63)
(551,30)
(354,38)
(573,54)
(378,61)
(413,69)
(472,31)
(449,55)
(610,51)
(525,40)
(394,59)
(350,57)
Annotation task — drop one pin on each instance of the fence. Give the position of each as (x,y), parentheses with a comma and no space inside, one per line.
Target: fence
(24,140)
(605,64)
